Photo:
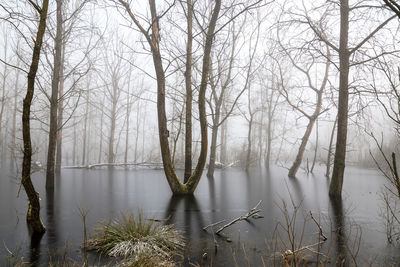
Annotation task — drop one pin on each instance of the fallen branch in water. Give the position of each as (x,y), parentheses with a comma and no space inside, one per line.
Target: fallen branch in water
(324,238)
(213,224)
(116,164)
(253,212)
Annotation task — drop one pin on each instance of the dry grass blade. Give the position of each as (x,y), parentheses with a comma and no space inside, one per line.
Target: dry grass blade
(138,241)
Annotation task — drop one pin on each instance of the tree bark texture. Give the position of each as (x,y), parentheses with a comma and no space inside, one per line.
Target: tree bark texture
(33,215)
(54,100)
(335,188)
(311,119)
(328,160)
(177,187)
(189,97)
(60,115)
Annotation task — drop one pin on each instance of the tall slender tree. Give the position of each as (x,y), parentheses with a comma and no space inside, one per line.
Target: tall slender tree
(54,98)
(33,215)
(344,52)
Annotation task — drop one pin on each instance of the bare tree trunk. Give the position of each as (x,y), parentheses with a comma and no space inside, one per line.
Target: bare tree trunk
(328,160)
(282,139)
(188,83)
(269,142)
(127,137)
(101,132)
(74,146)
(14,120)
(3,97)
(54,100)
(248,157)
(260,133)
(316,146)
(302,148)
(223,137)
(111,155)
(60,115)
(33,215)
(85,125)
(153,40)
(128,113)
(335,188)
(213,149)
(137,132)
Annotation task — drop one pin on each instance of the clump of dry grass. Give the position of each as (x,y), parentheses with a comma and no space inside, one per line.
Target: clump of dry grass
(137,241)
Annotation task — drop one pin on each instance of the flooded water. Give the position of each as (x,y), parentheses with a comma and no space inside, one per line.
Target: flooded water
(232,193)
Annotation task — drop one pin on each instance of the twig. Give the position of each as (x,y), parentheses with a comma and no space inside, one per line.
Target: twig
(252,212)
(12,254)
(213,224)
(324,238)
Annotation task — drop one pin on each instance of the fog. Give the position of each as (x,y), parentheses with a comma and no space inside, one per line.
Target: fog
(307,87)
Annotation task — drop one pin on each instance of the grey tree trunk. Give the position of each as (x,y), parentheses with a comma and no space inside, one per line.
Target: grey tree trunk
(335,188)
(223,137)
(189,100)
(213,151)
(296,164)
(316,146)
(53,100)
(74,161)
(113,117)
(60,115)
(3,98)
(101,132)
(14,120)
(328,160)
(85,125)
(33,215)
(248,157)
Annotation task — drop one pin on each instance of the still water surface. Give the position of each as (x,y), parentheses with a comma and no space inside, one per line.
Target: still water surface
(107,193)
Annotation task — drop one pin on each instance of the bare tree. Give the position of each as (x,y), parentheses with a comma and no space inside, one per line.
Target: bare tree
(298,106)
(344,52)
(33,215)
(54,98)
(153,40)
(221,84)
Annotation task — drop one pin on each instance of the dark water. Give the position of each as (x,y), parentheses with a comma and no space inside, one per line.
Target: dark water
(107,193)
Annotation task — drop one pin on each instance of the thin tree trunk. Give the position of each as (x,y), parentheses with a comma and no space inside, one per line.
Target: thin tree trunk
(111,156)
(85,125)
(316,146)
(335,188)
(296,164)
(188,83)
(127,133)
(54,100)
(74,146)
(248,157)
(14,120)
(137,132)
(60,115)
(223,134)
(328,160)
(101,132)
(3,97)
(213,151)
(282,138)
(33,215)
(269,141)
